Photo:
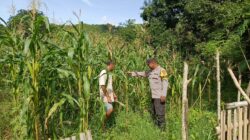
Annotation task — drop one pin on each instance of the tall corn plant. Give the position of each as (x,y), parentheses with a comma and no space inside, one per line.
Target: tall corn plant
(78,55)
(24,57)
(13,62)
(34,49)
(12,44)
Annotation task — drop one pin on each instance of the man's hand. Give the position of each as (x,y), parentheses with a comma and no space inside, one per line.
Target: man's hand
(129,73)
(163,99)
(109,99)
(106,93)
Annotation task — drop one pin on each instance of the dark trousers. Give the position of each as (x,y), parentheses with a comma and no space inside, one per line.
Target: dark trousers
(158,112)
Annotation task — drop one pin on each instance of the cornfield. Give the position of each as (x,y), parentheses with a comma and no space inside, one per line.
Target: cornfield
(52,77)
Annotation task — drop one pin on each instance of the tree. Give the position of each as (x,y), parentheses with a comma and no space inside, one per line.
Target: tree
(21,21)
(161,18)
(1,29)
(200,26)
(127,30)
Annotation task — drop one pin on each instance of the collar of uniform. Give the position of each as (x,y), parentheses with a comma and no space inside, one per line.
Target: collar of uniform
(158,67)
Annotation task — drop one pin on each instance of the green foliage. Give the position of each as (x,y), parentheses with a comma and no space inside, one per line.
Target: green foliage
(202,124)
(2,28)
(134,126)
(200,26)
(128,31)
(21,22)
(5,103)
(50,70)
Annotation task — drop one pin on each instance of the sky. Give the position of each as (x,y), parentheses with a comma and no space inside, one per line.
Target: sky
(92,11)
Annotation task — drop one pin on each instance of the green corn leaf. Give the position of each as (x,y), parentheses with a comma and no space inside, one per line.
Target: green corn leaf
(70,99)
(3,21)
(46,21)
(54,108)
(89,72)
(71,52)
(65,73)
(27,45)
(86,86)
(75,28)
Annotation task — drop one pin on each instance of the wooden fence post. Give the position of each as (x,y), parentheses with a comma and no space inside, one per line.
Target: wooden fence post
(218,91)
(89,136)
(218,84)
(238,85)
(185,103)
(240,77)
(82,136)
(73,138)
(248,89)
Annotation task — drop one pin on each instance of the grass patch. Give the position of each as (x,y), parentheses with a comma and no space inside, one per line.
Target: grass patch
(5,116)
(134,126)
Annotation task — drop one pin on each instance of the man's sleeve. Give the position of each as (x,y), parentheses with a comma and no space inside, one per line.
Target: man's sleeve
(102,79)
(164,78)
(164,75)
(139,74)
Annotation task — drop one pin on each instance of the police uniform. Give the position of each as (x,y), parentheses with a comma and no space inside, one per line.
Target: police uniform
(158,84)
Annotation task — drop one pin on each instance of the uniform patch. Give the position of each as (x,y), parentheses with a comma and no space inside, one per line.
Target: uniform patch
(164,74)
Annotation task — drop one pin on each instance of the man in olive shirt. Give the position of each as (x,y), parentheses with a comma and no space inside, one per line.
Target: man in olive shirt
(158,81)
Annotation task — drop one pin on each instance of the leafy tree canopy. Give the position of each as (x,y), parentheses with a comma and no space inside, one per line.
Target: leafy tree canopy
(21,21)
(200,26)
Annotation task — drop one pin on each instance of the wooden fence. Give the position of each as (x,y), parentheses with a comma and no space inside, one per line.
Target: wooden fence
(81,136)
(234,124)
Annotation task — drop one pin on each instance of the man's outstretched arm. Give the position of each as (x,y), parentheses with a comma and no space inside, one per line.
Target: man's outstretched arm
(138,74)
